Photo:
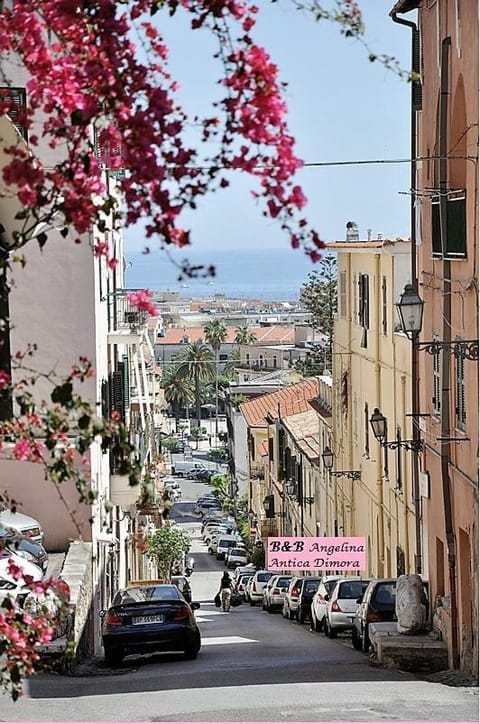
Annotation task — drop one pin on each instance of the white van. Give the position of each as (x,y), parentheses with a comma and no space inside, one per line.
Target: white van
(224,543)
(186,468)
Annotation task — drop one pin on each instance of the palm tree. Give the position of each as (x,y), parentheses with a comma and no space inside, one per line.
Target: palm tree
(196,365)
(245,335)
(178,392)
(215,335)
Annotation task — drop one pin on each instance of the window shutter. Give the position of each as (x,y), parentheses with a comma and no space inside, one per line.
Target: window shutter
(16,107)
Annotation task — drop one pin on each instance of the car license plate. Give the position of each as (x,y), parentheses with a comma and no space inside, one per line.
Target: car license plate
(136,620)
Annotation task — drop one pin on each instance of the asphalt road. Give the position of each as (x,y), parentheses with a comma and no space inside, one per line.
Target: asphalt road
(253,666)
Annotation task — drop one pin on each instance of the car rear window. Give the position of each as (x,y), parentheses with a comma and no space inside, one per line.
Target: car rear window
(139,594)
(330,585)
(384,595)
(237,552)
(351,589)
(282,582)
(311,586)
(264,577)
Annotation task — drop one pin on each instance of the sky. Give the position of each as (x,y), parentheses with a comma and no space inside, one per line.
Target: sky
(342,108)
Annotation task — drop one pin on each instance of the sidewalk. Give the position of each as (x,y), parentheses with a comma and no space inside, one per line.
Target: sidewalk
(415,653)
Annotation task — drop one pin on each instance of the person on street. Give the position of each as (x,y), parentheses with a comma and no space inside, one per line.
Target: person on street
(226,586)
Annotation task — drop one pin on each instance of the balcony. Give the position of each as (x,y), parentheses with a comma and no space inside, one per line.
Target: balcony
(125,321)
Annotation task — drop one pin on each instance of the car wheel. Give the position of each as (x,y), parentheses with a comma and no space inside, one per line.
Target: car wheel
(291,615)
(264,608)
(113,657)
(300,616)
(191,651)
(329,631)
(252,603)
(356,640)
(270,609)
(365,642)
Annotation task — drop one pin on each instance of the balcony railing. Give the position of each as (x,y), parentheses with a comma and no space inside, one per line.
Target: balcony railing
(123,315)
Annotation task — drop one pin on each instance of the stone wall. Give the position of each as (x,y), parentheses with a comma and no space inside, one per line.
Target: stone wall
(77,572)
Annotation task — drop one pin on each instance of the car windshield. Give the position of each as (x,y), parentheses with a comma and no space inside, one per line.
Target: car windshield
(264,577)
(351,589)
(140,594)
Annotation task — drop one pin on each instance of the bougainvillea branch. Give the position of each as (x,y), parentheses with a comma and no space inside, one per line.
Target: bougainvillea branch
(95,104)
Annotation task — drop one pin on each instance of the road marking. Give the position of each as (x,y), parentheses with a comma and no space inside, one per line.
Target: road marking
(220,640)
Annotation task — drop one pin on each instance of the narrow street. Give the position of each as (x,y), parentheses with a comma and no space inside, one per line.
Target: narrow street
(253,666)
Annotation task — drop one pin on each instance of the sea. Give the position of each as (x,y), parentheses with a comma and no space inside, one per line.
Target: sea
(263,274)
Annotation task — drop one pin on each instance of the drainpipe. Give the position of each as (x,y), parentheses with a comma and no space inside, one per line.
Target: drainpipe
(416,105)
(445,445)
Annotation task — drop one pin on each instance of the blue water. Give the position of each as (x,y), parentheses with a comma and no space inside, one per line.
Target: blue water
(268,274)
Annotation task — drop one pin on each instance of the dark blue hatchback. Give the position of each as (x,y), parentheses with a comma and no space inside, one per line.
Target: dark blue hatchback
(148,618)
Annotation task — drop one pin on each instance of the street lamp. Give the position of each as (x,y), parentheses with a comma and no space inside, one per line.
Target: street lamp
(379,427)
(327,457)
(410,311)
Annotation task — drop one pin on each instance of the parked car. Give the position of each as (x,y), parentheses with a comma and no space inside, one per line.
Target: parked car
(298,598)
(236,557)
(204,475)
(274,592)
(376,604)
(21,523)
(146,618)
(24,547)
(342,605)
(183,585)
(224,543)
(28,568)
(241,583)
(256,585)
(240,570)
(318,608)
(207,506)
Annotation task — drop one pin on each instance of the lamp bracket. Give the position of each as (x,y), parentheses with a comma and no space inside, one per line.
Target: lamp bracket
(413,445)
(351,474)
(461,348)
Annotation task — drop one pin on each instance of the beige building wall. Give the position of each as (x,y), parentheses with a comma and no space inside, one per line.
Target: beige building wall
(371,369)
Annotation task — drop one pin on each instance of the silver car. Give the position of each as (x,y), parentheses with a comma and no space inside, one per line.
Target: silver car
(21,523)
(274,592)
(342,605)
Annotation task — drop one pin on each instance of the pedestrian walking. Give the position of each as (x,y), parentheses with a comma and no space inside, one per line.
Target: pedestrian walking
(226,586)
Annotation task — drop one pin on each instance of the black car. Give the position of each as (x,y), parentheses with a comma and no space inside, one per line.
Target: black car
(147,618)
(204,475)
(376,604)
(24,547)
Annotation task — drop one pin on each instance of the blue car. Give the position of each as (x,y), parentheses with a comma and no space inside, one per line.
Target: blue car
(147,618)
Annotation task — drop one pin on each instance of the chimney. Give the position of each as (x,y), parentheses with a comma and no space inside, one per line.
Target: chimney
(352,231)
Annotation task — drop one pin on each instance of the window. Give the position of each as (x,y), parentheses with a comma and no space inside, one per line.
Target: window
(460,408)
(436,399)
(384,305)
(15,100)
(363,306)
(343,294)
(367,433)
(451,242)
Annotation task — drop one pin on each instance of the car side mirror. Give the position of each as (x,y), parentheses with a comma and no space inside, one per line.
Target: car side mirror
(194,605)
(359,599)
(327,597)
(102,613)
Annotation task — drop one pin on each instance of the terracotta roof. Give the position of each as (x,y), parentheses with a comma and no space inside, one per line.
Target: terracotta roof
(263,448)
(376,244)
(265,335)
(304,429)
(287,401)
